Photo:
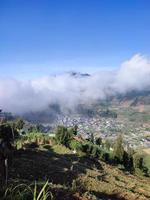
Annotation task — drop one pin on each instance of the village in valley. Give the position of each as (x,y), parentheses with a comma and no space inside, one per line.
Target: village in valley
(108,128)
(135,135)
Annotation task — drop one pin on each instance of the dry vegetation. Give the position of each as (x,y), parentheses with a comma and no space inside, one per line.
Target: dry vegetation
(75,176)
(147,150)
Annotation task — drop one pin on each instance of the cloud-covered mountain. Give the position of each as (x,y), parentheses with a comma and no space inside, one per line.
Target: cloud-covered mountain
(71,89)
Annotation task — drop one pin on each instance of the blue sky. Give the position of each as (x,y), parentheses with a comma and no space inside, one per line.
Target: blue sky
(41,37)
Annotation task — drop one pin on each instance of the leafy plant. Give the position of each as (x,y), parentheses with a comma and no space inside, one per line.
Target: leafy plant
(76,145)
(25,192)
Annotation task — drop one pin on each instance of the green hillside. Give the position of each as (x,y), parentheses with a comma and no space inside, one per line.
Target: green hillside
(73,176)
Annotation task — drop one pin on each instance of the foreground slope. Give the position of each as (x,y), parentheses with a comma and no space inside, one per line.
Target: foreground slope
(76,176)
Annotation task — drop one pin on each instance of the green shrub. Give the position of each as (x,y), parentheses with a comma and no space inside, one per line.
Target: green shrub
(7,132)
(128,160)
(91,150)
(76,145)
(95,152)
(107,144)
(87,148)
(19,123)
(98,141)
(47,146)
(139,163)
(24,192)
(64,135)
(138,160)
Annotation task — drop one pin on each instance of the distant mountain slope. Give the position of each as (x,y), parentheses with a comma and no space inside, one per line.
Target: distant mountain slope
(130,99)
(133,98)
(46,116)
(78,74)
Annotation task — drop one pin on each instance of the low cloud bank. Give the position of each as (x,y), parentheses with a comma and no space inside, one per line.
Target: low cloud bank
(68,90)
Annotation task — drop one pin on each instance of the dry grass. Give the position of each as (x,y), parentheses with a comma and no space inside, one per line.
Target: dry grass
(147,150)
(113,181)
(84,178)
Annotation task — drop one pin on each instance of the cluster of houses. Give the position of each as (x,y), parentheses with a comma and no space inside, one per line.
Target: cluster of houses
(106,128)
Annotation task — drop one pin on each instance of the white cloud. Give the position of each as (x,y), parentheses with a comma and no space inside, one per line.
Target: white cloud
(67,90)
(133,74)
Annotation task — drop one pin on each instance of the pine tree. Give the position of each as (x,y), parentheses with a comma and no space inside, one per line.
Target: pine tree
(98,141)
(118,152)
(19,124)
(64,135)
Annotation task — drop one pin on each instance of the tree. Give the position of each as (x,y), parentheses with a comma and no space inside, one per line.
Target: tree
(39,127)
(75,129)
(19,124)
(107,144)
(64,135)
(6,133)
(98,141)
(128,159)
(95,151)
(92,138)
(6,149)
(118,152)
(138,160)
(76,145)
(140,164)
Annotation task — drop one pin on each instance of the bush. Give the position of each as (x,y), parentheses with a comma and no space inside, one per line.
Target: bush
(76,145)
(128,160)
(139,164)
(95,151)
(105,156)
(138,160)
(7,132)
(87,148)
(107,144)
(47,146)
(64,135)
(98,141)
(19,124)
(91,150)
(32,138)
